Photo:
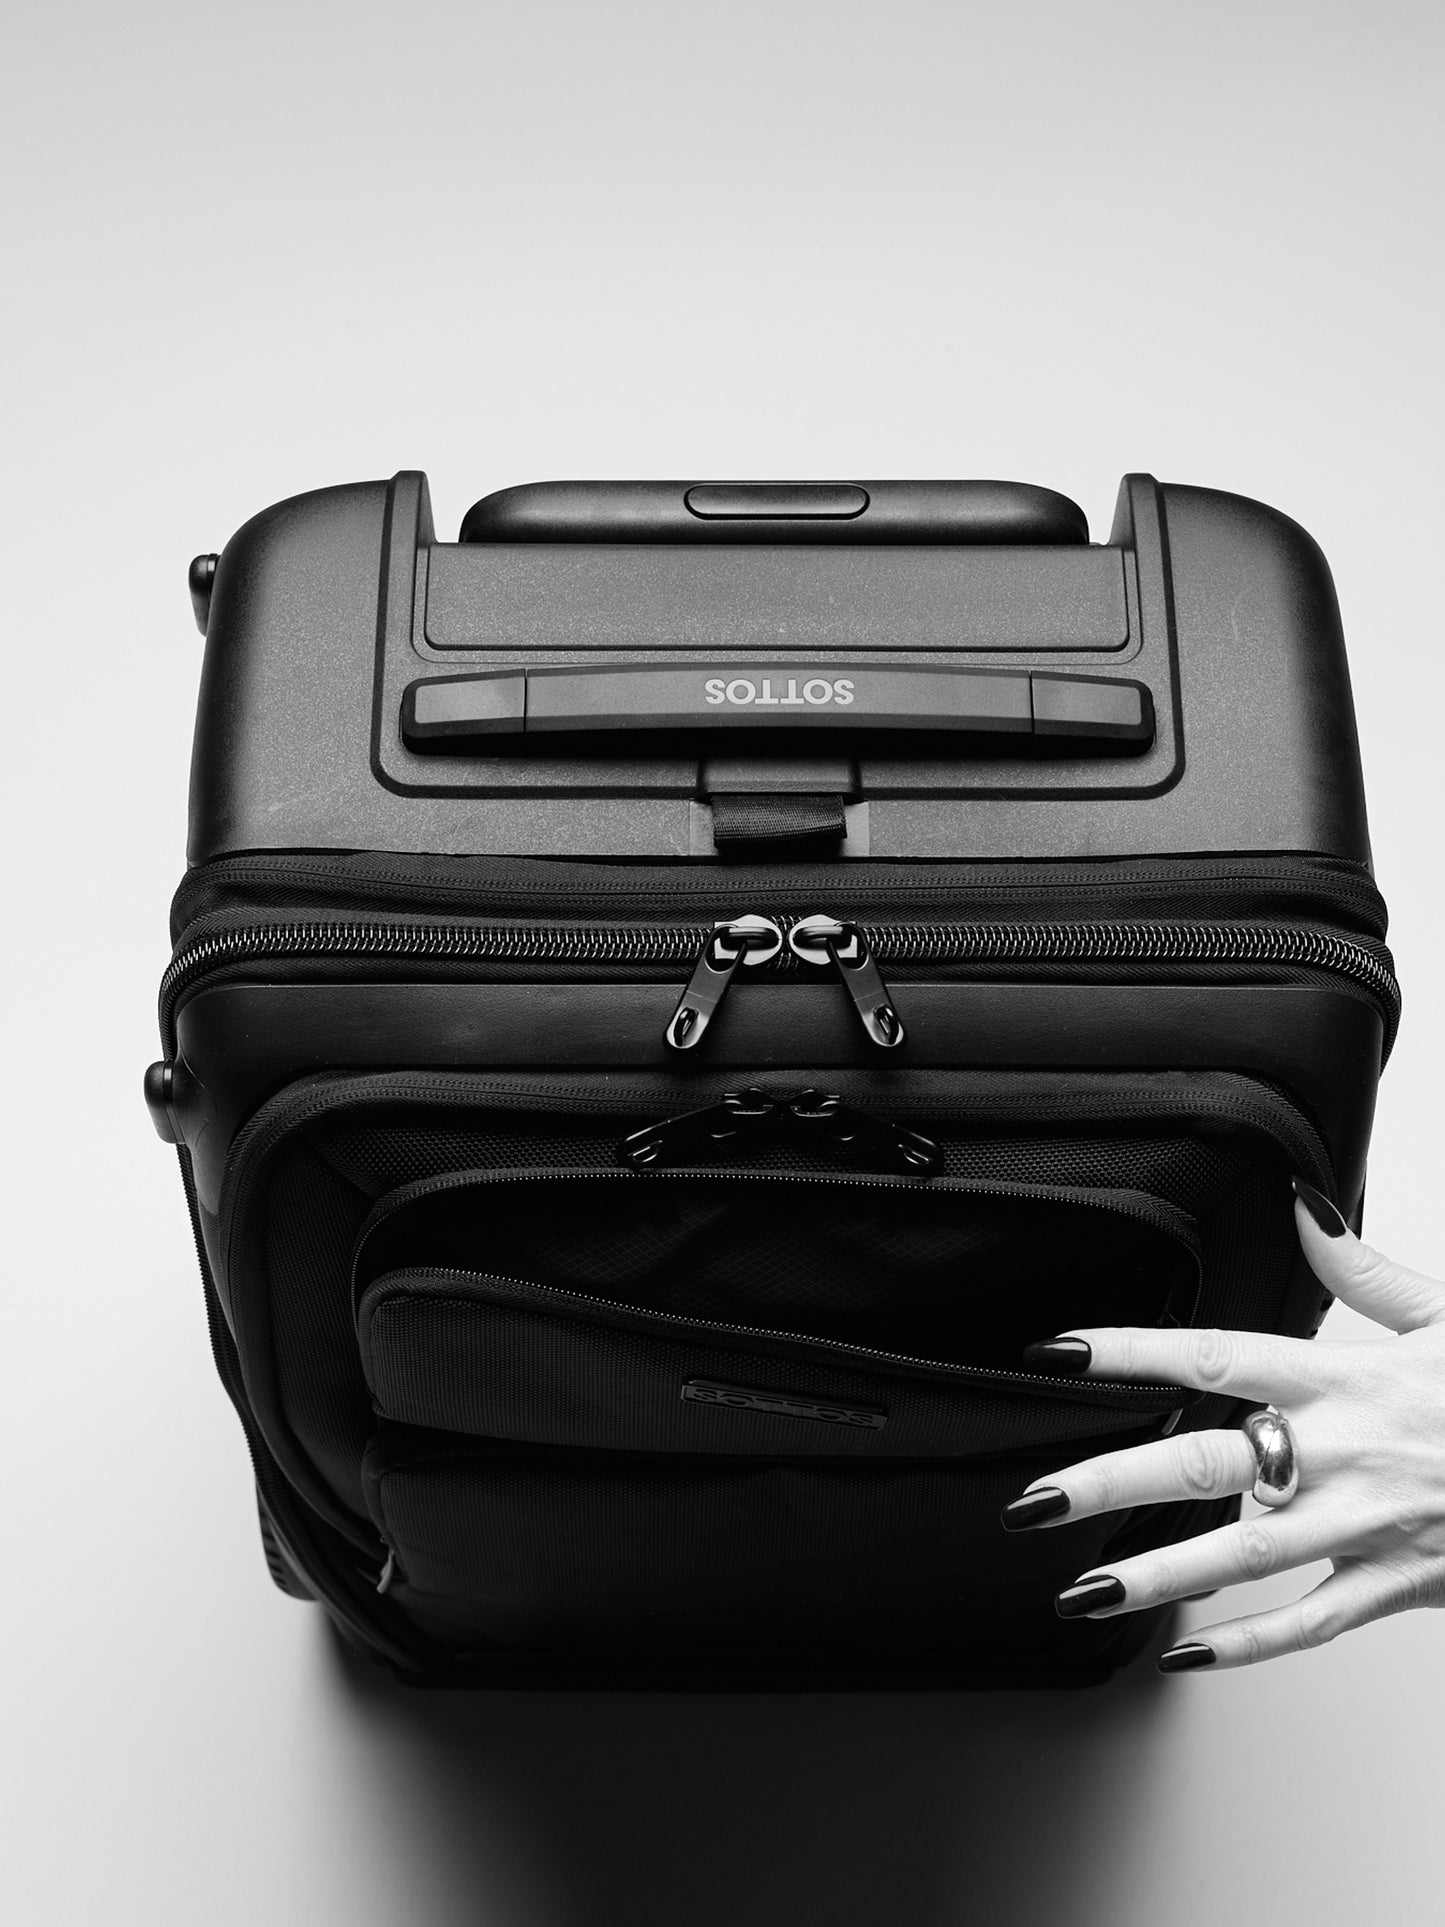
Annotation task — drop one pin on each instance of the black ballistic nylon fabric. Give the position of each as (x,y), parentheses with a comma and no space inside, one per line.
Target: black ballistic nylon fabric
(868,1551)
(311,1220)
(395,1145)
(506,1549)
(723,1552)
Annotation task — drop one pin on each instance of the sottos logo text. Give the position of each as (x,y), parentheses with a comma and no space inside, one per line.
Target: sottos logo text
(743,693)
(744,1398)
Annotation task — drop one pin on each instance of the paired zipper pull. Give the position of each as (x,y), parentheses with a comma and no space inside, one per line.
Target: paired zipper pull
(737,1114)
(886,1146)
(747,940)
(753,940)
(747,1113)
(825,940)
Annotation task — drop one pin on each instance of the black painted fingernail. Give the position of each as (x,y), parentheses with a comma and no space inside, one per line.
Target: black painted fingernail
(1070,1355)
(1089,1596)
(1320,1209)
(1184,1657)
(1035,1508)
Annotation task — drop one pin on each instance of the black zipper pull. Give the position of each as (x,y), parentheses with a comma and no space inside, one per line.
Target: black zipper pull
(886,1146)
(747,940)
(676,1139)
(824,940)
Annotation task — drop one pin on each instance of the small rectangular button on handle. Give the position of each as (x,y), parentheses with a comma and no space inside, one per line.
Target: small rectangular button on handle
(776,501)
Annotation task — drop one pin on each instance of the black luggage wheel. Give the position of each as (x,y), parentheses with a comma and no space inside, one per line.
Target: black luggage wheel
(283,1574)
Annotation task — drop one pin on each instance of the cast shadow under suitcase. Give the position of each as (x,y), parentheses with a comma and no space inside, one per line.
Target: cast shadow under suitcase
(576,1809)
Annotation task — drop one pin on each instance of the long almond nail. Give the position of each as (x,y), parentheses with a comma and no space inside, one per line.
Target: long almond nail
(1325,1215)
(1035,1509)
(1070,1356)
(1090,1596)
(1186,1656)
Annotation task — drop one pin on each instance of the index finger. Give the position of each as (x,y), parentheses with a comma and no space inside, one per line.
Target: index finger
(1237,1364)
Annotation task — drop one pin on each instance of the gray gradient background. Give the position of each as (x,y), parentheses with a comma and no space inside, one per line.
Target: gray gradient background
(252,250)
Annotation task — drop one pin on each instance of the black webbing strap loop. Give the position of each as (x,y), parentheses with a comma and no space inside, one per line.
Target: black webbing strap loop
(761,818)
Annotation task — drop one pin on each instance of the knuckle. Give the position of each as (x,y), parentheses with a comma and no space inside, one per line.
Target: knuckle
(1159,1579)
(1123,1352)
(1204,1467)
(1107,1486)
(1255,1550)
(1316,1624)
(1251,1642)
(1413,1589)
(1215,1353)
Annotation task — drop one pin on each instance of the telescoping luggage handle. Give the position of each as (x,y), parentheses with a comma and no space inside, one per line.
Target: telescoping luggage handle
(451,715)
(467,714)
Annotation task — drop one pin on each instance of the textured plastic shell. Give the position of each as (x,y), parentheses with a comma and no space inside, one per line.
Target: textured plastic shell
(317,624)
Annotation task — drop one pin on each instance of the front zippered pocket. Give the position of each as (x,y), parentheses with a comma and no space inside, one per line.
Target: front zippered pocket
(627,1397)
(310,1168)
(504,1358)
(576,1308)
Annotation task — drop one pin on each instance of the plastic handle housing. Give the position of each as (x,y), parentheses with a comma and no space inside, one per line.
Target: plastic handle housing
(902,513)
(452,714)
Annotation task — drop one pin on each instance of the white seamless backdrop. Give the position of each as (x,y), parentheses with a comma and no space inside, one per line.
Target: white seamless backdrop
(250,251)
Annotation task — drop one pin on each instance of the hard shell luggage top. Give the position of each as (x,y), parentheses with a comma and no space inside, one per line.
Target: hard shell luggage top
(673,670)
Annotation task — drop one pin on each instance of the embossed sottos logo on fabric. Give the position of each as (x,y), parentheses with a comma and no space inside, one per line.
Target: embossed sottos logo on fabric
(744,1398)
(815,691)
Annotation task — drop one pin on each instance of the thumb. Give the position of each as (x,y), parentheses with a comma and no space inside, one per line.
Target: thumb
(1365,1279)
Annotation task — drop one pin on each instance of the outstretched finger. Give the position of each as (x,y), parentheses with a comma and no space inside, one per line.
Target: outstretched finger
(1194,1465)
(1366,1280)
(1258,1365)
(1294,1535)
(1353,1595)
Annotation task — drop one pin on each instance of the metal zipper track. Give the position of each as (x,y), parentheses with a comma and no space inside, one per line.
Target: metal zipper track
(1099,942)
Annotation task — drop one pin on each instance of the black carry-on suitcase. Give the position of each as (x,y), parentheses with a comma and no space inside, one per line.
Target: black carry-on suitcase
(675,990)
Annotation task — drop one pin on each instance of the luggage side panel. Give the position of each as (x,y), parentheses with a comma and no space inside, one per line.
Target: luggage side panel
(284,712)
(1271,750)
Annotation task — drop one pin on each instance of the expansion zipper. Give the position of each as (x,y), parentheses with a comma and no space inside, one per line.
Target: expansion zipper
(853,950)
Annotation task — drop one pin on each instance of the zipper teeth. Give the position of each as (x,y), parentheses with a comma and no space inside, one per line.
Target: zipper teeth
(907,943)
(1162,1214)
(1061,1386)
(491,943)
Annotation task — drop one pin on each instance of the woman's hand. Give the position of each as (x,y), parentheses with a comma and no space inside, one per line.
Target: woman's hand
(1369,1426)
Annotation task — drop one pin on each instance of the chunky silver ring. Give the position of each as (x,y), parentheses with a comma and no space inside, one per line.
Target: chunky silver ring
(1277,1479)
